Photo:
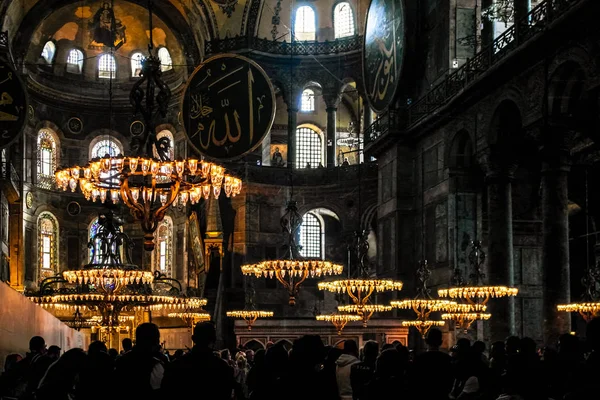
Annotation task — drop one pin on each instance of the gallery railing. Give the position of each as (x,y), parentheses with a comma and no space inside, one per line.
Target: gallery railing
(529,26)
(344,45)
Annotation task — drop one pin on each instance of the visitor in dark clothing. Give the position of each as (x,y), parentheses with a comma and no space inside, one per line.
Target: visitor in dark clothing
(432,372)
(363,372)
(23,380)
(388,382)
(138,374)
(98,367)
(211,376)
(306,365)
(256,374)
(59,381)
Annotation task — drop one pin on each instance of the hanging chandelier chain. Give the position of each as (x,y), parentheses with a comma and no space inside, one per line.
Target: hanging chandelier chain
(423,274)
(476,260)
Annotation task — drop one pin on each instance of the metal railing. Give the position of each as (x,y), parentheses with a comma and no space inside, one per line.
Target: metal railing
(8,173)
(344,45)
(529,26)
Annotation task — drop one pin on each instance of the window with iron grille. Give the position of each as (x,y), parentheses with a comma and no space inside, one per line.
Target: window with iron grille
(308,101)
(166,63)
(304,24)
(343,20)
(136,64)
(47,244)
(47,150)
(309,148)
(75,61)
(107,67)
(311,233)
(164,247)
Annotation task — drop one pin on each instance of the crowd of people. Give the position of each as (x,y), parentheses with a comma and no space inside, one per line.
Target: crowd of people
(512,370)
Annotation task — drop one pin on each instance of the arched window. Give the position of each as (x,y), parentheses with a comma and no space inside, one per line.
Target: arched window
(311,232)
(304,25)
(309,148)
(105,146)
(308,100)
(107,67)
(49,51)
(75,61)
(343,20)
(96,252)
(166,64)
(136,64)
(47,151)
(163,252)
(47,244)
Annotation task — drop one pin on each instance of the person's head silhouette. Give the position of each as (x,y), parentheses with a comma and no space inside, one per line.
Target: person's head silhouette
(205,334)
(147,337)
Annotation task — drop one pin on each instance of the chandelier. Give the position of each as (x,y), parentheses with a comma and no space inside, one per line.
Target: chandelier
(148,182)
(366,311)
(292,270)
(249,314)
(339,320)
(475,295)
(589,306)
(191,316)
(423,304)
(107,286)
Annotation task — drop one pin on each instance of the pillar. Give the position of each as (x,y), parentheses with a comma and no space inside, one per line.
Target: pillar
(331,102)
(500,251)
(292,122)
(555,244)
(487,30)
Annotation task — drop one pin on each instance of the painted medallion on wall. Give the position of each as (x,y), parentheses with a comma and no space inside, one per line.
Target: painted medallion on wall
(383,51)
(29,200)
(75,125)
(13,105)
(228,107)
(105,29)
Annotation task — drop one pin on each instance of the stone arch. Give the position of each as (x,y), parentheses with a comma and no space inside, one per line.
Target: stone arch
(565,89)
(253,344)
(287,344)
(460,152)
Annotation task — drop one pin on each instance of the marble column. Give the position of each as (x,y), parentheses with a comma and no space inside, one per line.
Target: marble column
(292,122)
(555,245)
(500,251)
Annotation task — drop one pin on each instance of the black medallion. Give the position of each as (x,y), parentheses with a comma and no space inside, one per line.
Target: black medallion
(75,125)
(383,52)
(13,105)
(228,107)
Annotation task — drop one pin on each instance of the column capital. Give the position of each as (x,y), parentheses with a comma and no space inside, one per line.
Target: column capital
(497,167)
(332,100)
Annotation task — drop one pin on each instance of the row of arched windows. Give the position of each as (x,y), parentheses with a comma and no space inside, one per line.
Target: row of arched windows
(107,66)
(48,233)
(305,24)
(48,151)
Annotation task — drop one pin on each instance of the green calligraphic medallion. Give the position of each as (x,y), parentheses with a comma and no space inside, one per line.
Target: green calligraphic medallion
(383,52)
(228,107)
(13,105)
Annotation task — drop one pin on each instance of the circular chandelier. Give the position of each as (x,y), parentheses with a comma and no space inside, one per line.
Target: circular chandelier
(360,290)
(365,311)
(148,182)
(423,304)
(292,270)
(475,295)
(250,316)
(339,320)
(107,286)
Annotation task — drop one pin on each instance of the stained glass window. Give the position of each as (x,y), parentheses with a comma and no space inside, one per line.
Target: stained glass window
(107,67)
(308,101)
(309,148)
(310,236)
(96,252)
(75,61)
(164,245)
(104,147)
(343,20)
(166,63)
(48,248)
(304,24)
(48,52)
(136,64)
(47,151)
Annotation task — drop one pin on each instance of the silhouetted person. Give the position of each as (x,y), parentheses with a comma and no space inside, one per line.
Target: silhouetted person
(127,345)
(138,374)
(7,378)
(256,375)
(53,352)
(306,361)
(59,381)
(344,364)
(201,367)
(389,377)
(362,372)
(330,388)
(98,367)
(432,370)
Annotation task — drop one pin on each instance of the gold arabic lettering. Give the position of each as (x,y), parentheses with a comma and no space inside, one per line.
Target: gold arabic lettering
(385,67)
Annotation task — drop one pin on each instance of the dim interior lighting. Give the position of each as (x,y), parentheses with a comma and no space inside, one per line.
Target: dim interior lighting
(365,311)
(250,316)
(360,290)
(339,320)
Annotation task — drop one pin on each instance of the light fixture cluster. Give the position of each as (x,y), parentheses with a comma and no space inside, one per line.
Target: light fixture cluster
(250,316)
(339,320)
(293,268)
(481,292)
(366,311)
(108,277)
(360,290)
